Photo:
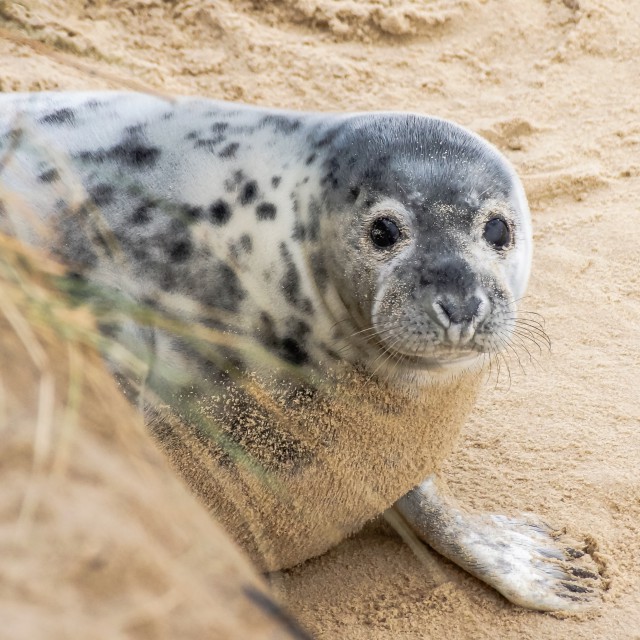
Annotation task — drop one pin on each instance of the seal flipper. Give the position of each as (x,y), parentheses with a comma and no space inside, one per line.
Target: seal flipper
(525,560)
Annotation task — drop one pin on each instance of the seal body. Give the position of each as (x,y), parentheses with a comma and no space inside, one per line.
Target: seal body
(308,299)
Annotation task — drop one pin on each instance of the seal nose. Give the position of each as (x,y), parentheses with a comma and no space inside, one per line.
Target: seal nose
(459,316)
(460,311)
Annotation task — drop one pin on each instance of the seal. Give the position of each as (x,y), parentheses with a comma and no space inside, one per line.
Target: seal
(308,303)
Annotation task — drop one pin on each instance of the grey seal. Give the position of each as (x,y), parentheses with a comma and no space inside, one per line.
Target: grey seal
(309,302)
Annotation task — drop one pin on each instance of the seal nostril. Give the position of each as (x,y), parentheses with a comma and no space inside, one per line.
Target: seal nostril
(460,312)
(442,314)
(448,310)
(473,305)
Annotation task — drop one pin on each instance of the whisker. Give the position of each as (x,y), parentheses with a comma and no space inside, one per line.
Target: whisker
(522,345)
(526,312)
(386,352)
(531,337)
(533,331)
(509,346)
(532,328)
(506,363)
(516,315)
(498,367)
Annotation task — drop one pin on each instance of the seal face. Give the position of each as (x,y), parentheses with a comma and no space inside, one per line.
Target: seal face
(429,241)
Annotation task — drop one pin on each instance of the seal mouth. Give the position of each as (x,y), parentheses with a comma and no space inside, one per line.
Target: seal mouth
(439,358)
(435,362)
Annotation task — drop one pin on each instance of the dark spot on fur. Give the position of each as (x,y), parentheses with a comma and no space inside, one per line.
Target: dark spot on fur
(290,282)
(93,104)
(51,175)
(220,212)
(266,211)
(61,116)
(311,158)
(91,156)
(333,170)
(180,250)
(282,124)
(192,212)
(246,243)
(135,154)
(249,192)
(192,135)
(169,115)
(327,138)
(273,609)
(275,181)
(74,244)
(293,352)
(229,151)
(314,219)
(209,144)
(142,213)
(130,152)
(354,192)
(229,291)
(299,232)
(295,203)
(291,347)
(12,137)
(178,245)
(102,194)
(134,130)
(219,127)
(319,270)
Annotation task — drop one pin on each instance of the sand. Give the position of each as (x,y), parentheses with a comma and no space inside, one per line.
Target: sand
(555,86)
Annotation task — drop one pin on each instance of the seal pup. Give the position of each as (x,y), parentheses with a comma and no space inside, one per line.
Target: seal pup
(313,297)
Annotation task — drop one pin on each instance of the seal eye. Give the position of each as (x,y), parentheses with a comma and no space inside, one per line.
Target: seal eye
(497,233)
(384,233)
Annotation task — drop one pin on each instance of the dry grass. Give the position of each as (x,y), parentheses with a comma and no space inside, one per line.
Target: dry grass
(98,536)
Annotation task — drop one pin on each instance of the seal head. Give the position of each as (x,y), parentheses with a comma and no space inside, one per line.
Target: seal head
(429,242)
